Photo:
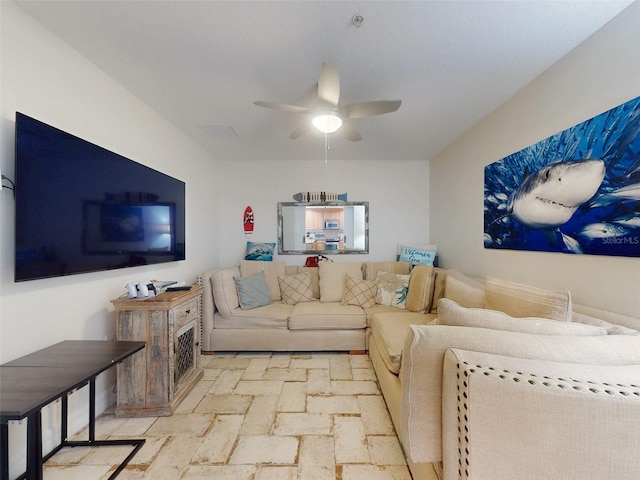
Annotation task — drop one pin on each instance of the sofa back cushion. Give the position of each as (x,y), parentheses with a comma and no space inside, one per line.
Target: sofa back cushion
(421,284)
(225,294)
(438,288)
(271,271)
(332,278)
(464,290)
(520,300)
(371,269)
(450,313)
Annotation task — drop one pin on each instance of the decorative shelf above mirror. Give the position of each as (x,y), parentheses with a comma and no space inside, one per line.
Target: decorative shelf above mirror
(308,228)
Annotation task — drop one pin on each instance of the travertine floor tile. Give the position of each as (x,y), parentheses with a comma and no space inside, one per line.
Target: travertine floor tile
(256,368)
(340,368)
(259,387)
(261,449)
(317,450)
(277,473)
(313,362)
(224,404)
(332,404)
(318,382)
(363,374)
(303,424)
(375,416)
(317,472)
(260,416)
(385,450)
(134,427)
(286,374)
(374,472)
(226,381)
(280,360)
(76,472)
(177,452)
(293,397)
(181,424)
(216,446)
(350,440)
(222,472)
(341,387)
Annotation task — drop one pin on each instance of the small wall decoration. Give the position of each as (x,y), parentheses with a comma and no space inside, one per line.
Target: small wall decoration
(575,192)
(320,197)
(247,221)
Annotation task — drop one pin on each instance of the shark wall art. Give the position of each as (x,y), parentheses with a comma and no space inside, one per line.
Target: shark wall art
(575,192)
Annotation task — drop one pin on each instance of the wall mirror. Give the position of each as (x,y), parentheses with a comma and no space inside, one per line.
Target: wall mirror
(326,227)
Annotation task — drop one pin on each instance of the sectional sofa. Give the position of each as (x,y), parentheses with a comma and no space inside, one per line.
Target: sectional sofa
(483,378)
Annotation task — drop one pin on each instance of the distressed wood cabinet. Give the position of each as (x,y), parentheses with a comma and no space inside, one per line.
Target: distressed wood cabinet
(154,381)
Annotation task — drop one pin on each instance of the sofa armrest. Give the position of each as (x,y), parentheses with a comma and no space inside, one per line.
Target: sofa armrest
(507,418)
(420,431)
(208,310)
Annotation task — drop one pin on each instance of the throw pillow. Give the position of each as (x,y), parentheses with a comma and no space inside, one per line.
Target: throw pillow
(332,278)
(464,290)
(253,291)
(359,292)
(260,251)
(450,313)
(520,300)
(421,284)
(271,270)
(416,256)
(295,288)
(392,289)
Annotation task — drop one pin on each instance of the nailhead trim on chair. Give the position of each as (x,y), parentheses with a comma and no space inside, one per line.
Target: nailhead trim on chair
(464,371)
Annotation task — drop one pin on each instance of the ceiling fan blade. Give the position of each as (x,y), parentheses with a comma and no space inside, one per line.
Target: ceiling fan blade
(349,132)
(298,132)
(329,85)
(369,109)
(282,106)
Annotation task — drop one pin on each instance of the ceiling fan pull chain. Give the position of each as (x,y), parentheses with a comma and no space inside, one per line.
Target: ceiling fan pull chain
(326,149)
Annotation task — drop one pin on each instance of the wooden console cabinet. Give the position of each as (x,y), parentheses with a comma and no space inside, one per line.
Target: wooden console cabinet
(153,382)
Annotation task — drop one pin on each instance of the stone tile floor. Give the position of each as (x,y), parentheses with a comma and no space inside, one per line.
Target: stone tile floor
(257,416)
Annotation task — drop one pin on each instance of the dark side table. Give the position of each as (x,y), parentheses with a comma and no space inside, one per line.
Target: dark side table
(29,383)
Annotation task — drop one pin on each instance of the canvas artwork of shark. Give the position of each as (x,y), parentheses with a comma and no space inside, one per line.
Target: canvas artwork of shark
(576,192)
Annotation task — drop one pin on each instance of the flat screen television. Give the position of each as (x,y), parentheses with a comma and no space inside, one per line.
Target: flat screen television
(81,208)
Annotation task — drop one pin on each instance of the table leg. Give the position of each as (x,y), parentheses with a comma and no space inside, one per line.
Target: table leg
(34,446)
(92,409)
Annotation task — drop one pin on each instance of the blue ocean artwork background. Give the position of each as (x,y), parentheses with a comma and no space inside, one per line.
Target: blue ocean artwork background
(575,192)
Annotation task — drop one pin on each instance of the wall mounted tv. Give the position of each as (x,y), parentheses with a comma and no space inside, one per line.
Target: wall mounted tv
(81,208)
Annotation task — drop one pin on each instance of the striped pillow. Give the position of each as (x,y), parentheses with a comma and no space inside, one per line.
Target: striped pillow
(520,300)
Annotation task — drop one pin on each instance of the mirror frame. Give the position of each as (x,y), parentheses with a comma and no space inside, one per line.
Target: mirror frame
(282,251)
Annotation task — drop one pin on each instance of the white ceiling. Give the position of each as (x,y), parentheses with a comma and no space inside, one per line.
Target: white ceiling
(202,64)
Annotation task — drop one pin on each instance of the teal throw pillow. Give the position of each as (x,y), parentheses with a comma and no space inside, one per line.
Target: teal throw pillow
(253,291)
(260,251)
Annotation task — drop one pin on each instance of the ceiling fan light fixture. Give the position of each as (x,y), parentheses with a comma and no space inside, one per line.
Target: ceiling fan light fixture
(327,122)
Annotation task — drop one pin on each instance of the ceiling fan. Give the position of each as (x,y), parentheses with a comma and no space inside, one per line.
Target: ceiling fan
(327,114)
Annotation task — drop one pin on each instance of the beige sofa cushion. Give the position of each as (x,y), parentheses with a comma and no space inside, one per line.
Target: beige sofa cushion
(295,288)
(421,283)
(326,316)
(450,313)
(225,294)
(390,330)
(268,316)
(371,269)
(521,300)
(332,278)
(464,290)
(271,271)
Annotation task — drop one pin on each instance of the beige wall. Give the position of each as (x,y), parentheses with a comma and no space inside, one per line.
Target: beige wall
(600,74)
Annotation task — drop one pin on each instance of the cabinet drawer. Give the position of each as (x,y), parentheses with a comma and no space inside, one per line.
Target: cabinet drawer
(187,311)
